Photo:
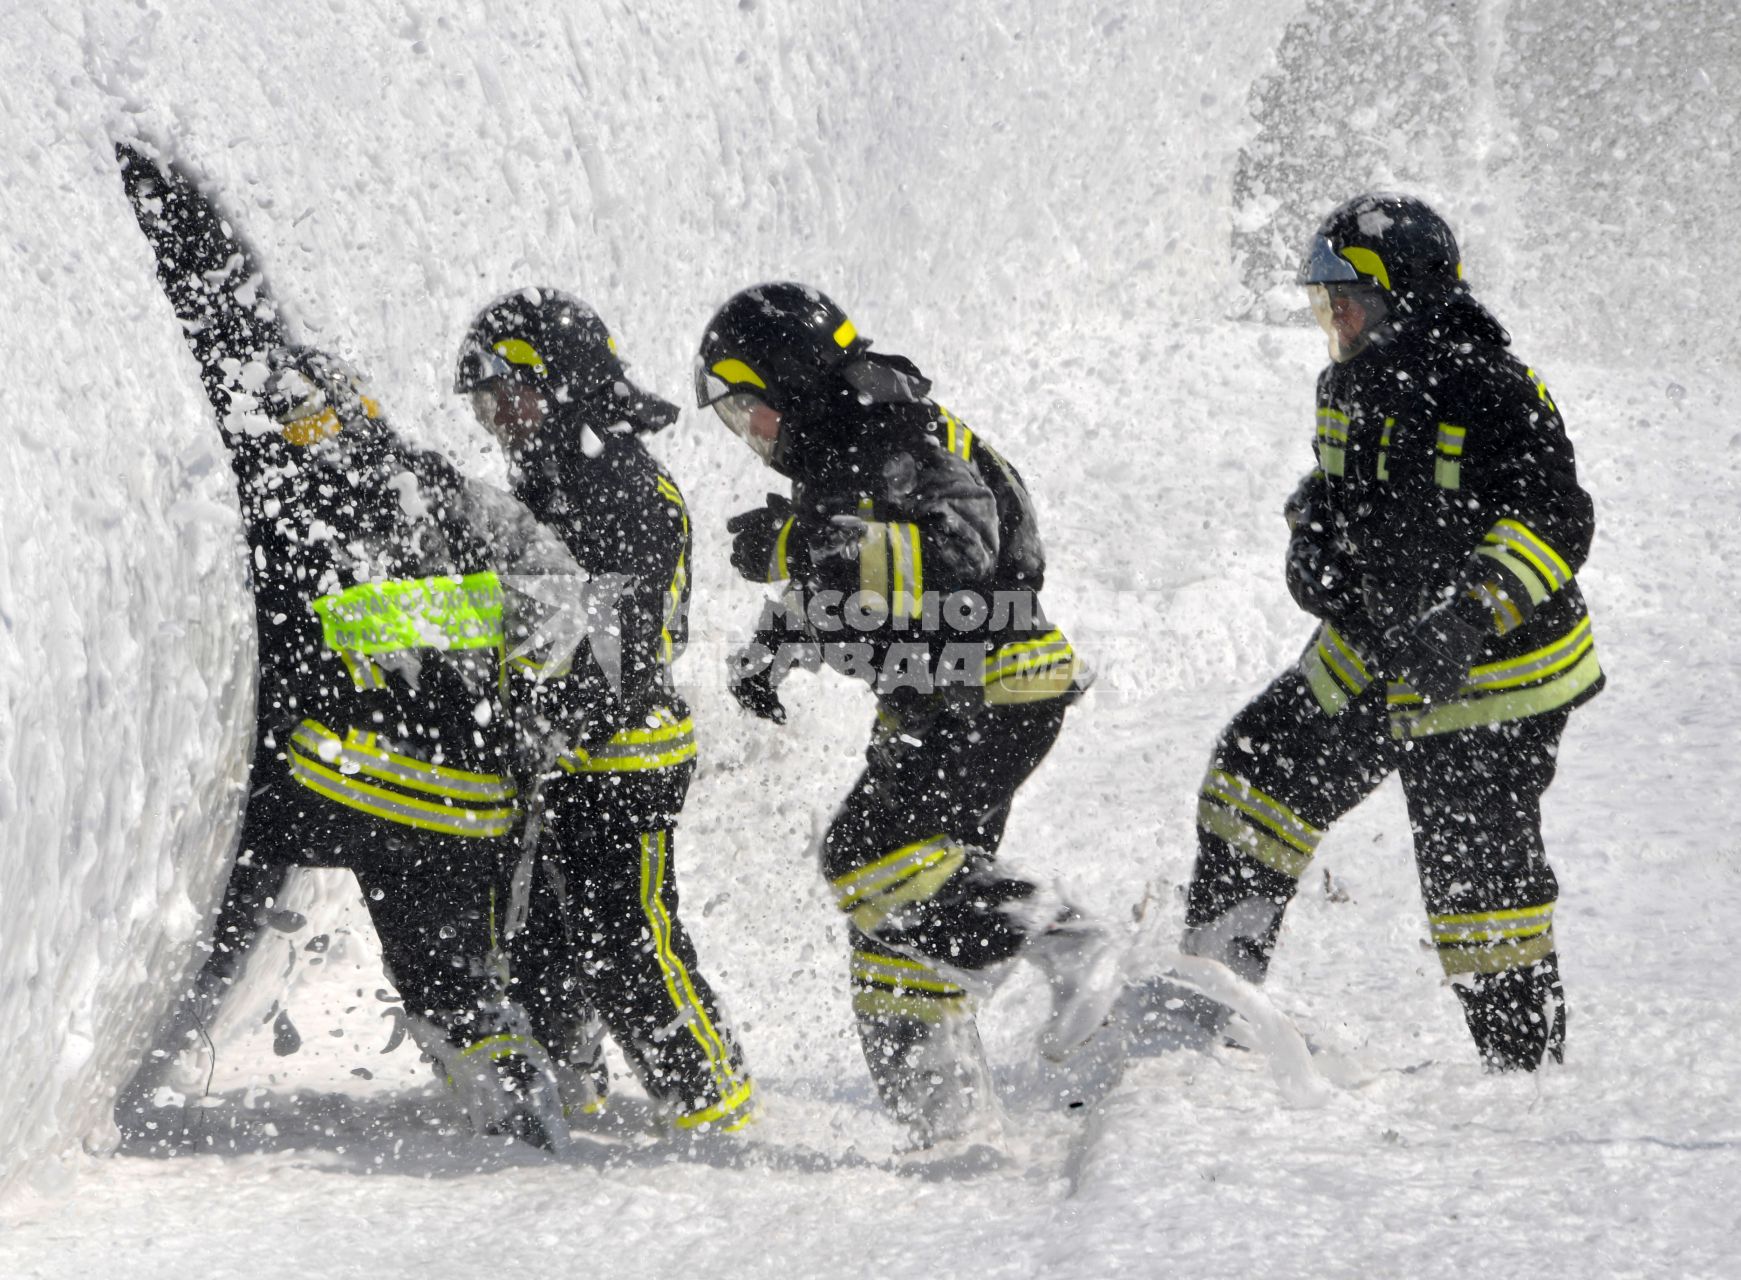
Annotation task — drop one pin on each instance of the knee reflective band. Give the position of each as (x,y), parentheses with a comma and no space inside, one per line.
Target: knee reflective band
(889,986)
(1332,441)
(1031,670)
(891,568)
(733,1092)
(1335,672)
(910,874)
(413,613)
(354,772)
(668,742)
(1493,941)
(1256,825)
(1528,685)
(1527,556)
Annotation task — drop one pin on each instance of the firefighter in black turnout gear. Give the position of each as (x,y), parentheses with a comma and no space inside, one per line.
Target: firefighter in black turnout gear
(610,757)
(911,557)
(383,743)
(1437,542)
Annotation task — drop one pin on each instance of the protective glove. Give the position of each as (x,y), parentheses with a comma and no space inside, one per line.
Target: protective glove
(1320,577)
(1433,653)
(1319,574)
(752,678)
(753,535)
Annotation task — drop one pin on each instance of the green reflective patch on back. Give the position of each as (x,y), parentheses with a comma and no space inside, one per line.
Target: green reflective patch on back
(413,613)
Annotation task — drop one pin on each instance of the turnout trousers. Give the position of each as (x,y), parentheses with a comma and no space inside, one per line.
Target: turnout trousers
(431,897)
(604,935)
(1284,771)
(910,857)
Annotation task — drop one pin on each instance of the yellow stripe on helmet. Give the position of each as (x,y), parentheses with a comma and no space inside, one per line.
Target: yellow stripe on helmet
(517,351)
(737,371)
(1368,263)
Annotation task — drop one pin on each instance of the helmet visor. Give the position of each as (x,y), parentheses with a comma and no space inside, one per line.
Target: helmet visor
(1323,265)
(478,365)
(752,420)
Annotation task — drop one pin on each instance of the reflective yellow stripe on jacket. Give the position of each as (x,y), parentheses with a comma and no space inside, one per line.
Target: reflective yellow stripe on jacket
(1334,670)
(1031,670)
(357,773)
(676,593)
(1527,556)
(1530,684)
(1332,441)
(891,567)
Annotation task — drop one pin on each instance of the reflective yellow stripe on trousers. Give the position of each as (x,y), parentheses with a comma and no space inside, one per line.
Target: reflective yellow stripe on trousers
(1493,941)
(733,1093)
(1255,824)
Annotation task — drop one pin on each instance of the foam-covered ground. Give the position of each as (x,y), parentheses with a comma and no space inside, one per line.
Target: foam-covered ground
(1034,205)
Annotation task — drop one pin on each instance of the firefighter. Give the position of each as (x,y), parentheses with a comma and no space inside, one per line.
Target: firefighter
(1437,541)
(910,556)
(384,745)
(612,758)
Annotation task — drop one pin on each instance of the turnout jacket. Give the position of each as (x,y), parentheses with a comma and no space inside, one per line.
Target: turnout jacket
(378,608)
(1444,471)
(381,625)
(915,542)
(621,516)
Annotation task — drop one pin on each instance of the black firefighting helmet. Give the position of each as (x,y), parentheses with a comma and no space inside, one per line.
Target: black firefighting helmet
(783,343)
(1392,243)
(546,339)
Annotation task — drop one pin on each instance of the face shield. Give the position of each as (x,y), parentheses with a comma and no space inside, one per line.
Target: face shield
(1323,265)
(1348,314)
(508,410)
(740,406)
(477,366)
(752,420)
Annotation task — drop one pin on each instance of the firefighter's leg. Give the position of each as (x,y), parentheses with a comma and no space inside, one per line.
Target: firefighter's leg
(1283,771)
(611,839)
(931,911)
(910,853)
(437,903)
(249,907)
(546,981)
(1474,801)
(920,1042)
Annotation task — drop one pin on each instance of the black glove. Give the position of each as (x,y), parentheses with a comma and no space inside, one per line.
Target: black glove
(753,535)
(752,680)
(1320,578)
(1433,653)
